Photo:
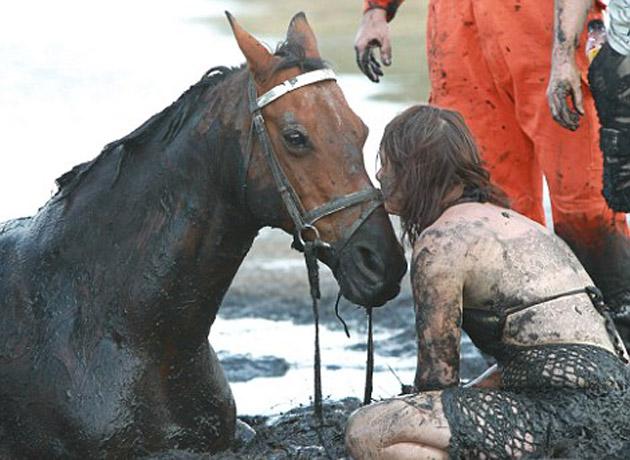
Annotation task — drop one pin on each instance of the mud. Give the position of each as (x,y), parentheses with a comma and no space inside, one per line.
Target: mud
(242,368)
(297,434)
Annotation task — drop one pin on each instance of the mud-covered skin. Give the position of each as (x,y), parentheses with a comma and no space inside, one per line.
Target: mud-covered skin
(108,293)
(404,427)
(437,289)
(374,33)
(607,260)
(483,257)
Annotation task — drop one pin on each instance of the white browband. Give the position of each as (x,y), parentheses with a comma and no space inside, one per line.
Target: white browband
(294,83)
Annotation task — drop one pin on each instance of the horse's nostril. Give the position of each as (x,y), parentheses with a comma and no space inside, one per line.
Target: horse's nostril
(369,260)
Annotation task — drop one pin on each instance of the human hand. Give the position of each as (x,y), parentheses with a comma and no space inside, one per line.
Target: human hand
(373,33)
(565,82)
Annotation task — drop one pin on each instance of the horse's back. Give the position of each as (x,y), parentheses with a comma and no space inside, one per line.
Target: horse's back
(18,275)
(13,282)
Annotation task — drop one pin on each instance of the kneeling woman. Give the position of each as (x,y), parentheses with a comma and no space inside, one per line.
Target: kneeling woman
(521,295)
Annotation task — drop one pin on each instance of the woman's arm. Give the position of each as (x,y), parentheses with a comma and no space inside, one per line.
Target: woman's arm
(437,282)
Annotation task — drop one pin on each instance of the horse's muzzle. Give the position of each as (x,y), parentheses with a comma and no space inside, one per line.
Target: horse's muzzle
(372,263)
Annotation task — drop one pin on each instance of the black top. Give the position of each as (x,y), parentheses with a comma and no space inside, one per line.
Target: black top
(485,327)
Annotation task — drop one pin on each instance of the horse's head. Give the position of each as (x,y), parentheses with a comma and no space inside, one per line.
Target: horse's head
(304,166)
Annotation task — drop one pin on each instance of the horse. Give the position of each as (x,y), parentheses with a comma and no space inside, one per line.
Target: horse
(108,293)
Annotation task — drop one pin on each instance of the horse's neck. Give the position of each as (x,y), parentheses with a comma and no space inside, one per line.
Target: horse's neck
(163,243)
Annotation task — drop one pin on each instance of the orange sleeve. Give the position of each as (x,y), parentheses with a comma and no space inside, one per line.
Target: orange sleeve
(596,11)
(390,6)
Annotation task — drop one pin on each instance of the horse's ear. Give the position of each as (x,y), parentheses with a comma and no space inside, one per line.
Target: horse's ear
(259,59)
(300,32)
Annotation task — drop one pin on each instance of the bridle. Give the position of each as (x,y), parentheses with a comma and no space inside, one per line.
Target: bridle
(303,221)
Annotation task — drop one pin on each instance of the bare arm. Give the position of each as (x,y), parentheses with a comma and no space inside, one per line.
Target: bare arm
(437,283)
(564,80)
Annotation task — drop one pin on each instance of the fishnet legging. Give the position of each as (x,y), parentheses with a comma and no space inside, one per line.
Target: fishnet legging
(551,393)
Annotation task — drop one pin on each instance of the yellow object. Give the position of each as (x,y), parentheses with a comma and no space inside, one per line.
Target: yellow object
(590,54)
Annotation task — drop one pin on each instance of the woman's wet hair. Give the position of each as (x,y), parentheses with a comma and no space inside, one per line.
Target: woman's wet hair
(429,151)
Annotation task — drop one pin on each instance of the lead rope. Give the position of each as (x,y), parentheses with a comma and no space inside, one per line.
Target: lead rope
(310,255)
(369,368)
(345,326)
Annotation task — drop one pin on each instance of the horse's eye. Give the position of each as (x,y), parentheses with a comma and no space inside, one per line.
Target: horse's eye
(296,139)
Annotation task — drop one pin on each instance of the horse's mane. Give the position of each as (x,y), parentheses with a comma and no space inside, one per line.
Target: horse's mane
(172,118)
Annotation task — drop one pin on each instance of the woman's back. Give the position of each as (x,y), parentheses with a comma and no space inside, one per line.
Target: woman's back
(518,272)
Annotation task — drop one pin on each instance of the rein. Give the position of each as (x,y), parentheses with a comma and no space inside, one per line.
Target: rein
(304,221)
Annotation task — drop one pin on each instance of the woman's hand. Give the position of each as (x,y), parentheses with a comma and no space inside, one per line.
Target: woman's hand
(373,33)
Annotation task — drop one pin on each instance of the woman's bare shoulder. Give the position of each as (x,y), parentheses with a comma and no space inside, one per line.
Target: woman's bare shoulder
(441,243)
(457,225)
(475,233)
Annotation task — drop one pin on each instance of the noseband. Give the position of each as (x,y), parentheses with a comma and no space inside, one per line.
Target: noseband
(303,220)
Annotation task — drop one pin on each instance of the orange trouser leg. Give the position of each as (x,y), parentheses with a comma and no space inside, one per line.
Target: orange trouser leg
(571,161)
(461,80)
(500,54)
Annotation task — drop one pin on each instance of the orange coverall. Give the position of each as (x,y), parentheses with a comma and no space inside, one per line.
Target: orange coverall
(490,61)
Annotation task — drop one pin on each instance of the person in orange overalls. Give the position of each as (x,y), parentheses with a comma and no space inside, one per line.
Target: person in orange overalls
(490,61)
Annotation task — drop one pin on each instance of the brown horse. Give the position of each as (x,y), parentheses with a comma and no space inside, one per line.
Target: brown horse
(108,293)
